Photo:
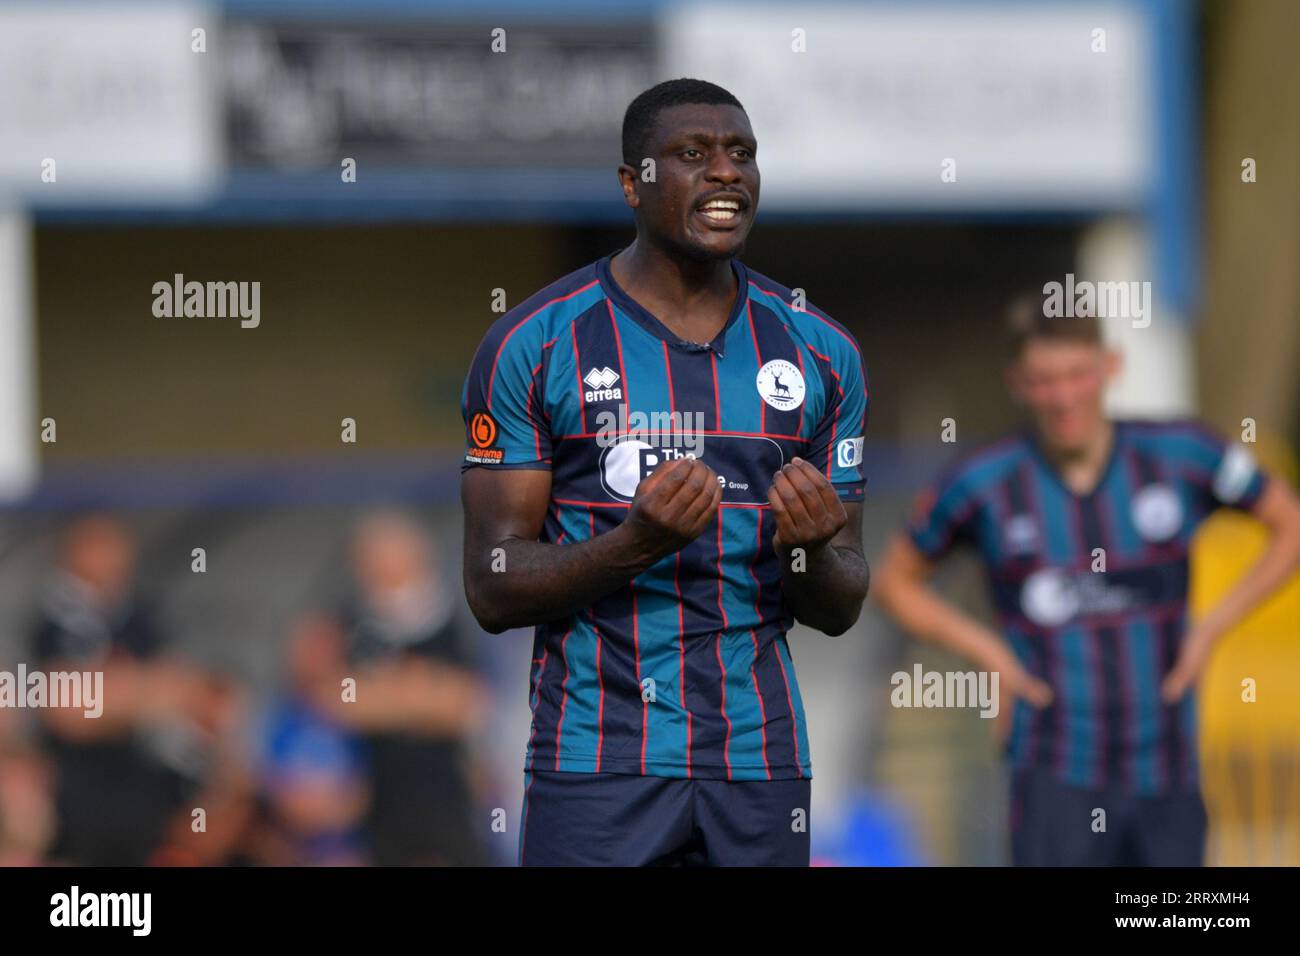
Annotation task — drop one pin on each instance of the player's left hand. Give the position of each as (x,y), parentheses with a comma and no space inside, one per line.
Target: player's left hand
(808,511)
(1192,658)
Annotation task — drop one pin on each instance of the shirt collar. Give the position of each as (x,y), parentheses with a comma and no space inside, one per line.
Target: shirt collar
(647,320)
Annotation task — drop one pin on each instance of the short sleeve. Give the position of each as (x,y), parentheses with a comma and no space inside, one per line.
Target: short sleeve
(837,445)
(1236,480)
(943,515)
(501,403)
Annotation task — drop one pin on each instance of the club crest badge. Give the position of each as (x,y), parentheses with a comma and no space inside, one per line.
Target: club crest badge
(1157,512)
(780,383)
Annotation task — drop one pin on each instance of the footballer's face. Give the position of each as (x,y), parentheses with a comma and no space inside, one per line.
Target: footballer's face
(1062,384)
(705,190)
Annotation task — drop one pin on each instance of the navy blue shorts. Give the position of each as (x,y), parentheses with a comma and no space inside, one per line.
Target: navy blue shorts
(610,819)
(1052,824)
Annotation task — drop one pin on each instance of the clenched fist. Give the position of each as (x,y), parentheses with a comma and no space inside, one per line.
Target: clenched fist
(674,505)
(808,511)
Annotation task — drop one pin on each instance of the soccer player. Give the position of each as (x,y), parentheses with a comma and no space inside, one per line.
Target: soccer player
(1083,524)
(664,473)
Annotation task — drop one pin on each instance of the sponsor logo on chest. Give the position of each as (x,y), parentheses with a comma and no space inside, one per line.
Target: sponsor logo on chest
(1052,597)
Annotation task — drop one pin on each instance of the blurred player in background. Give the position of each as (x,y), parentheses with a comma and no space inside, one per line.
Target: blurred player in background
(663,473)
(1084,524)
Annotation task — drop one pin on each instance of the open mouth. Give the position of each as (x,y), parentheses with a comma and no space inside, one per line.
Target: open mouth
(721,211)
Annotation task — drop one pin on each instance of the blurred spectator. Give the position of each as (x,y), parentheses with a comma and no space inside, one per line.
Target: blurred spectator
(26,814)
(312,771)
(26,811)
(213,729)
(417,697)
(118,778)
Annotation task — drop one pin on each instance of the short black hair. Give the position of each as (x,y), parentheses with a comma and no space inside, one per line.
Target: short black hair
(1027,321)
(642,112)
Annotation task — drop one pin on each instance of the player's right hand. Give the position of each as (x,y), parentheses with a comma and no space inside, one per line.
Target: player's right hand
(1026,686)
(673,505)
(1016,683)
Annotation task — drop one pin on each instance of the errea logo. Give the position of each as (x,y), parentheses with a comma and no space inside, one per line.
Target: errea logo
(601,383)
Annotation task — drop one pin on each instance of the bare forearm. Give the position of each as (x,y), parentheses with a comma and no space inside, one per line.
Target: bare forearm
(928,617)
(1273,569)
(825,587)
(438,702)
(133,693)
(530,582)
